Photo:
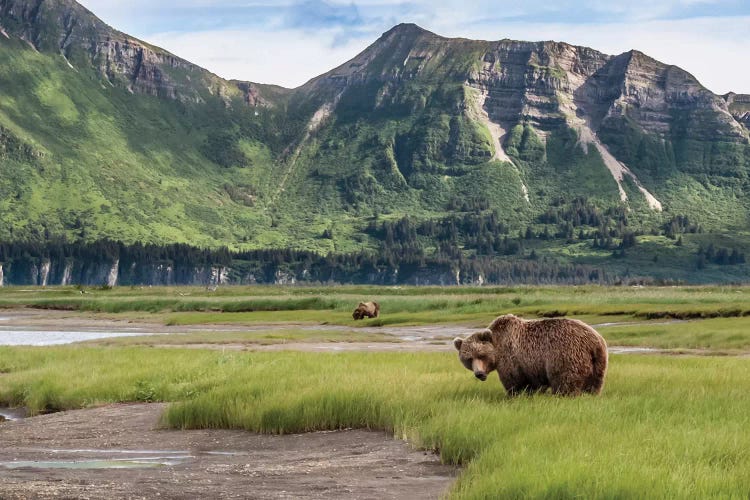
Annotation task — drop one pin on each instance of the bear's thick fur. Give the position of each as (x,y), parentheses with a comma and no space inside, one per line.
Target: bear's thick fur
(564,355)
(366,310)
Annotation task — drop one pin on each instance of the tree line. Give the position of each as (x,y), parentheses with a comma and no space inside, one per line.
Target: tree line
(471,247)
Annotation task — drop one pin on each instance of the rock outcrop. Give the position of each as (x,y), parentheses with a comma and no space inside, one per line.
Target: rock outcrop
(739,107)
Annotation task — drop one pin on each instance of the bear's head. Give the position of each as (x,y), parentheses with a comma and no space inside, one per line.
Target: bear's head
(477,353)
(359,312)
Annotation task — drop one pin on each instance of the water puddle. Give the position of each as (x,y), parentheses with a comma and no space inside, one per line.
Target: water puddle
(139,459)
(45,338)
(12,413)
(634,350)
(170,453)
(125,463)
(638,323)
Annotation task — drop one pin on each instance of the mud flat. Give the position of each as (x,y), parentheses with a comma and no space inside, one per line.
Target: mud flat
(119,452)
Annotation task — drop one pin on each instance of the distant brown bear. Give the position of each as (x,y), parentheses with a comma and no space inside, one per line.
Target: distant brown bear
(564,355)
(366,310)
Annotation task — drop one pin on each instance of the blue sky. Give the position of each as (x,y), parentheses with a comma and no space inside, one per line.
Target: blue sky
(288,42)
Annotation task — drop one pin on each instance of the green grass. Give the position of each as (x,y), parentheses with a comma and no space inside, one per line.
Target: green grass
(664,427)
(712,334)
(249,338)
(399,305)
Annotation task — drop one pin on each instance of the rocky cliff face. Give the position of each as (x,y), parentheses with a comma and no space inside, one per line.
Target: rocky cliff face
(48,272)
(533,82)
(53,272)
(739,107)
(667,101)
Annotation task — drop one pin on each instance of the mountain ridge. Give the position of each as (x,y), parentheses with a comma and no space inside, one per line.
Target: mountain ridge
(81,37)
(105,136)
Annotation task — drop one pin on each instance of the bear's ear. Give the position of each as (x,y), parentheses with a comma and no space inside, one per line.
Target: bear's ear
(485,336)
(457,343)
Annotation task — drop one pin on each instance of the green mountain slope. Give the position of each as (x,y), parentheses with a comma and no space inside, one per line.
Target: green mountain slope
(105,136)
(148,156)
(561,119)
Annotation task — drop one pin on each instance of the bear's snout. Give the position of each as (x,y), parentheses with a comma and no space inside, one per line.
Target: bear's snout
(480,375)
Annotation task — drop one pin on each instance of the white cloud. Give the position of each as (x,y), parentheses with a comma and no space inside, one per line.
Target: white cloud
(288,58)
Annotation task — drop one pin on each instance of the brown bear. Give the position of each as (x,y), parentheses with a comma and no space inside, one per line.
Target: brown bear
(564,355)
(366,310)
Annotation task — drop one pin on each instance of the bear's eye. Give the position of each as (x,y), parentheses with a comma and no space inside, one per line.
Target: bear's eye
(467,363)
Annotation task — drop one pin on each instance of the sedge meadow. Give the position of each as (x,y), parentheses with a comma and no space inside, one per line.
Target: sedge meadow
(669,424)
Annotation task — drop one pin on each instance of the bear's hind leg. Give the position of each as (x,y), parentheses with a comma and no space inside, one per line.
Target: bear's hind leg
(565,384)
(594,385)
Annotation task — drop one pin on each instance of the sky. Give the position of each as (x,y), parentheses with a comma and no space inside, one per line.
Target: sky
(288,42)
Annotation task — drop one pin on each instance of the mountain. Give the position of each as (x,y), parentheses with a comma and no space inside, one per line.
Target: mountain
(105,136)
(540,107)
(65,27)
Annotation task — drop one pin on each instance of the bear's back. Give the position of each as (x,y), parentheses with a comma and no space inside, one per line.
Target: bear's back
(537,342)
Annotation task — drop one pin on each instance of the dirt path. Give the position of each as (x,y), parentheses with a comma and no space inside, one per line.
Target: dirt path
(117,452)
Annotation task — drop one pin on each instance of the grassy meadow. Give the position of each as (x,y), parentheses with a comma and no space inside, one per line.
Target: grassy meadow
(415,305)
(664,427)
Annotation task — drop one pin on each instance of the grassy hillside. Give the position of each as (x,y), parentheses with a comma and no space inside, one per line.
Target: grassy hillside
(98,161)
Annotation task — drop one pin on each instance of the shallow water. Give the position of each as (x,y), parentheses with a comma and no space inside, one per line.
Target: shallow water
(115,451)
(90,458)
(12,413)
(138,458)
(130,463)
(633,350)
(45,338)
